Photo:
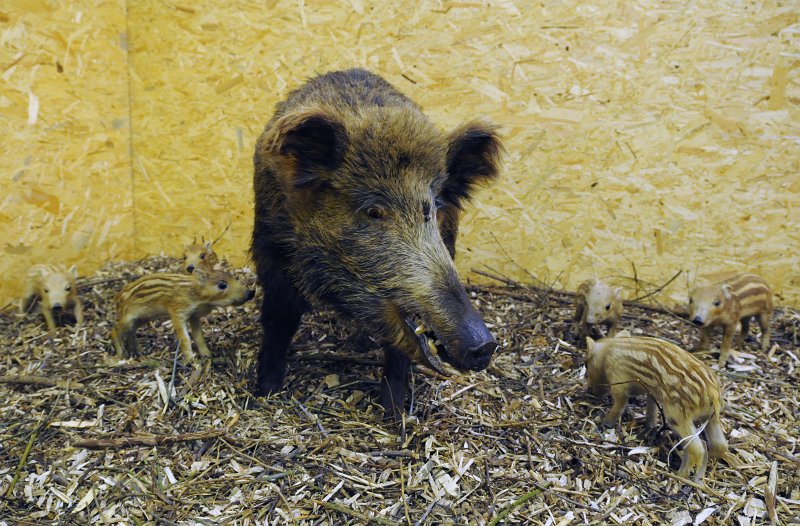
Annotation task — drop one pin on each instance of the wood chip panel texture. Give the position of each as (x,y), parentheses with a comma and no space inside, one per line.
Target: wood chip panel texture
(660,135)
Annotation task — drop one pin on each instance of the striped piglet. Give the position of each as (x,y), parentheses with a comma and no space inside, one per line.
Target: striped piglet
(686,389)
(182,298)
(729,303)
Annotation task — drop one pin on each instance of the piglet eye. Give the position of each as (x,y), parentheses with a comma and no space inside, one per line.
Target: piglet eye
(68,288)
(47,290)
(222,285)
(691,301)
(202,256)
(376,212)
(608,307)
(717,303)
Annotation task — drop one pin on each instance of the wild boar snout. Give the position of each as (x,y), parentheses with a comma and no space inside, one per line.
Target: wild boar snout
(477,346)
(468,343)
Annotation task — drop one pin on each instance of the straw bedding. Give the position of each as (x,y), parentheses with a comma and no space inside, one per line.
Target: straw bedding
(87,437)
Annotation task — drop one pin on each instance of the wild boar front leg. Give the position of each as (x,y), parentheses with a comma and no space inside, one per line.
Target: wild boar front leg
(694,461)
(705,339)
(123,336)
(579,323)
(727,340)
(717,444)
(745,322)
(619,394)
(27,298)
(394,383)
(197,336)
(118,337)
(766,331)
(132,343)
(48,317)
(695,456)
(182,333)
(652,413)
(281,311)
(77,311)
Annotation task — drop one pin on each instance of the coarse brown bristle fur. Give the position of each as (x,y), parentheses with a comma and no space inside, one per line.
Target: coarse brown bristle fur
(357,204)
(490,437)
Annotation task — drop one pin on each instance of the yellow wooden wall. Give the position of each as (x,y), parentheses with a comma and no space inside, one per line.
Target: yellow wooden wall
(65,176)
(660,135)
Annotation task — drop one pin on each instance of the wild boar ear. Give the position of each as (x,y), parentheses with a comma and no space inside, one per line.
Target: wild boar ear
(473,157)
(312,143)
(726,291)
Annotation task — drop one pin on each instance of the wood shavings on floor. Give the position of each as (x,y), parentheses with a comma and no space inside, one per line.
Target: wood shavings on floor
(521,441)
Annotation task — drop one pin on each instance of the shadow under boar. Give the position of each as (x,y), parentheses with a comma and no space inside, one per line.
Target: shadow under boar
(357,203)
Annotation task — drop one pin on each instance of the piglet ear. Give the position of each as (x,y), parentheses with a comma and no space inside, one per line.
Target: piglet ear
(473,157)
(589,344)
(617,292)
(726,291)
(308,145)
(74,271)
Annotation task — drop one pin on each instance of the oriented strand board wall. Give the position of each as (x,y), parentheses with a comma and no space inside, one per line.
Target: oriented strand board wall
(64,154)
(657,134)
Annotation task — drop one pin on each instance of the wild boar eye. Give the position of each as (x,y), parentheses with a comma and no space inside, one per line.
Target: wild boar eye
(376,212)
(717,303)
(426,212)
(222,285)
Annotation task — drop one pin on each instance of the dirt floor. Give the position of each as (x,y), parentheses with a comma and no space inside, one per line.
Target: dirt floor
(518,443)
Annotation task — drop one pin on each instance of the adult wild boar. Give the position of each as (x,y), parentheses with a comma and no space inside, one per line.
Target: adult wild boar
(357,203)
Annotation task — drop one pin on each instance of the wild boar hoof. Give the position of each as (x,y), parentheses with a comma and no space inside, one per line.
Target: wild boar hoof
(267,388)
(392,414)
(652,433)
(608,423)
